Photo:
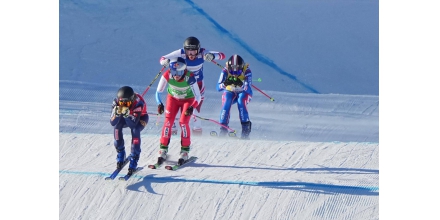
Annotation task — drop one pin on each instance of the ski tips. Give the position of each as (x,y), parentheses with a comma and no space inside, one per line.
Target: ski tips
(230,134)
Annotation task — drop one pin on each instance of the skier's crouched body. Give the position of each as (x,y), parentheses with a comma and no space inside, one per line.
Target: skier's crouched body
(129,110)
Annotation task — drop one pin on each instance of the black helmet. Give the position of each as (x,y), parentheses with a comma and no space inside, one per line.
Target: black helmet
(126,93)
(191,43)
(235,64)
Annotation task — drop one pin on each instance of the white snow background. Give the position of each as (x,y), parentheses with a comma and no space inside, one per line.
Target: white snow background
(313,153)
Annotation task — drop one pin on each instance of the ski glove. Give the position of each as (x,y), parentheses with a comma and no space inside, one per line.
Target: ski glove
(160,108)
(115,111)
(189,111)
(209,57)
(165,62)
(125,111)
(114,104)
(245,86)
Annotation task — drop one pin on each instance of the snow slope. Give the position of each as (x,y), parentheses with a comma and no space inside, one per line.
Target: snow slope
(311,156)
(314,152)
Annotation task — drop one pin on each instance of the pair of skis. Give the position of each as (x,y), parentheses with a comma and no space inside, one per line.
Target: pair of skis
(152,166)
(230,134)
(127,176)
(173,167)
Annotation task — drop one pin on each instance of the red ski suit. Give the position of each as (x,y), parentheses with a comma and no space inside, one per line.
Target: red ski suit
(181,95)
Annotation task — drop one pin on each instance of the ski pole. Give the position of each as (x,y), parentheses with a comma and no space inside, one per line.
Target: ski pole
(150,113)
(146,90)
(214,121)
(207,119)
(271,99)
(219,65)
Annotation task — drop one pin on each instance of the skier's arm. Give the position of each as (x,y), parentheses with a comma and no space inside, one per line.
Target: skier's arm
(220,84)
(161,86)
(115,117)
(116,114)
(165,59)
(133,119)
(196,91)
(247,85)
(216,55)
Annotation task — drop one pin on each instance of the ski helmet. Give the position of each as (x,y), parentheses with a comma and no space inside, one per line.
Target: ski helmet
(177,66)
(126,93)
(191,43)
(235,64)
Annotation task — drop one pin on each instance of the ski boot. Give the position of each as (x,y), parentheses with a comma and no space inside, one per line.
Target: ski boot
(120,158)
(133,164)
(245,130)
(183,155)
(162,154)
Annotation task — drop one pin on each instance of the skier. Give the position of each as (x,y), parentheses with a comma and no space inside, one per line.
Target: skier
(236,82)
(184,96)
(129,110)
(195,57)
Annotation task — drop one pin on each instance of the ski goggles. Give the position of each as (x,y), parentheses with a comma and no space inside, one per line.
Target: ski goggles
(233,72)
(175,72)
(125,103)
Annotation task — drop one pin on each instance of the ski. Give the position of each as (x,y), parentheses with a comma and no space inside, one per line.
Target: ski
(126,177)
(177,166)
(116,172)
(154,166)
(230,134)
